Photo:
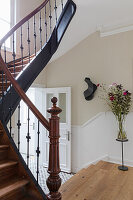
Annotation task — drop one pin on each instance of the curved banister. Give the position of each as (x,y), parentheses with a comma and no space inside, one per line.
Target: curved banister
(25,19)
(23,96)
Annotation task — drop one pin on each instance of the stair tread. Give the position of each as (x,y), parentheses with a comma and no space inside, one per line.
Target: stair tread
(5,164)
(13,186)
(19,61)
(29,198)
(4,146)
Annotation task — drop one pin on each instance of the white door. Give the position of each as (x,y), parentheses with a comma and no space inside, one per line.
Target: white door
(64,102)
(24,125)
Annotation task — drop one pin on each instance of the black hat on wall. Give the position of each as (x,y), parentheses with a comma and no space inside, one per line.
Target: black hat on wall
(89,93)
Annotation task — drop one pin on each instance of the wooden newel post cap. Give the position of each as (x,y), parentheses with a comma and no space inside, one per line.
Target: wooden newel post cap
(54,110)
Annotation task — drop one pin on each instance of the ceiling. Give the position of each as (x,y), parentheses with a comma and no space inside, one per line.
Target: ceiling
(94,15)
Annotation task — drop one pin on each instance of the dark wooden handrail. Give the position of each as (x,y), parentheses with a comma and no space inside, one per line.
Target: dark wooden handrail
(25,19)
(22,94)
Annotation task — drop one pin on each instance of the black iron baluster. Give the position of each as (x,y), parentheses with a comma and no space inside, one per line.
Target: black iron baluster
(55,11)
(1,77)
(28,40)
(38,151)
(13,54)
(40,29)
(28,138)
(50,16)
(35,34)
(2,84)
(46,24)
(22,48)
(10,122)
(19,125)
(62,4)
(5,63)
(10,108)
(1,80)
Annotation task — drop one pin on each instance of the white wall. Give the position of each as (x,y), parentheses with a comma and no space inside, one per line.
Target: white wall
(96,140)
(89,142)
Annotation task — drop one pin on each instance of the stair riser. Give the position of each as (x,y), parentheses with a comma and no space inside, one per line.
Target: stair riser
(8,173)
(3,87)
(17,70)
(3,154)
(15,195)
(25,62)
(4,76)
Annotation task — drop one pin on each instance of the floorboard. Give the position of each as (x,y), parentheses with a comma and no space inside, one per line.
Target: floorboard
(102,181)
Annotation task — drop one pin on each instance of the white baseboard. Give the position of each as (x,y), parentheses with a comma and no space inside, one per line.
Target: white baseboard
(108,159)
(104,158)
(118,161)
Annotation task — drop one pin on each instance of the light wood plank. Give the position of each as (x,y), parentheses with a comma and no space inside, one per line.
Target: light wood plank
(102,181)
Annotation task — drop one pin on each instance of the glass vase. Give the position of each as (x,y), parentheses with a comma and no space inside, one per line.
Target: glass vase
(121,130)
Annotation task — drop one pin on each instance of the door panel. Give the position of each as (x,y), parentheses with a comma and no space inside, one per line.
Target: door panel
(64,102)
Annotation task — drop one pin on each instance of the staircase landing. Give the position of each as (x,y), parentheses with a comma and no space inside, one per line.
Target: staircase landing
(102,181)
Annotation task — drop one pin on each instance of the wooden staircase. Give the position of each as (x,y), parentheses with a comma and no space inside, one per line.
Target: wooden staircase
(14,181)
(19,67)
(102,181)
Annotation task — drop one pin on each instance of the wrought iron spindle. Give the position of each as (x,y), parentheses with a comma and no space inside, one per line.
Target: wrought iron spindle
(22,48)
(35,35)
(10,121)
(28,138)
(46,25)
(40,29)
(2,82)
(28,40)
(1,76)
(50,16)
(55,11)
(13,54)
(62,4)
(38,151)
(19,125)
(5,63)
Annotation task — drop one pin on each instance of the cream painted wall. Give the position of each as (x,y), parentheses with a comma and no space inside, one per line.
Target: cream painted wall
(104,60)
(40,81)
(24,7)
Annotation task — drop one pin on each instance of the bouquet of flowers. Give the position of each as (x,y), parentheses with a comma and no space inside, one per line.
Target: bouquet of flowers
(119,101)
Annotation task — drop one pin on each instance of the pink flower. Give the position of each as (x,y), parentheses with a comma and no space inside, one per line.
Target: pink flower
(112,98)
(125,93)
(98,85)
(114,83)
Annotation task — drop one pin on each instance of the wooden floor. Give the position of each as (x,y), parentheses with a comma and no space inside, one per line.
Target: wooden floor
(102,181)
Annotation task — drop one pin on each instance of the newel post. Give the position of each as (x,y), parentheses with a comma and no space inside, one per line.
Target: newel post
(54,180)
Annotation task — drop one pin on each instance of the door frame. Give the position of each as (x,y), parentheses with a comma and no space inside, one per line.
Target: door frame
(66,90)
(44,112)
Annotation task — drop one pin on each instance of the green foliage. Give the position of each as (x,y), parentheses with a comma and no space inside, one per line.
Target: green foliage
(118,99)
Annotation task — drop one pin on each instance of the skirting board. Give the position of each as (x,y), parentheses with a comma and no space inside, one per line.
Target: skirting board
(104,158)
(118,161)
(108,159)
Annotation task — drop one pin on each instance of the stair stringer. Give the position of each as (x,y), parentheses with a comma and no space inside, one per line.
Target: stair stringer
(12,99)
